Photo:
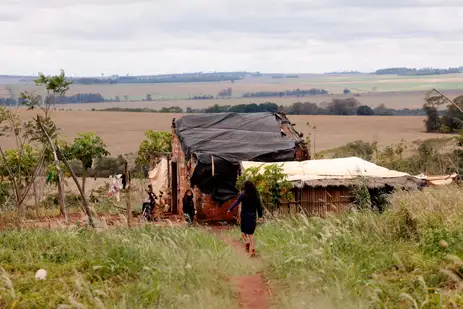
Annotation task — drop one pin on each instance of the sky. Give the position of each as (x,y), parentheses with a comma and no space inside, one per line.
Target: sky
(141,37)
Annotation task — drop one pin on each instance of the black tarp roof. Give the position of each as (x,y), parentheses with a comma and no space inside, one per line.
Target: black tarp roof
(230,138)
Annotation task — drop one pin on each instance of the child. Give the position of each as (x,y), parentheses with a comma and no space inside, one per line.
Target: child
(189,206)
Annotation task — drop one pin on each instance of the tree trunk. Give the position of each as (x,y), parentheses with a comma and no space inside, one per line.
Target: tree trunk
(22,209)
(129,208)
(36,200)
(86,206)
(62,207)
(84,175)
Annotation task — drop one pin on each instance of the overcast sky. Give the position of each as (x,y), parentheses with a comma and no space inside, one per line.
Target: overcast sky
(90,37)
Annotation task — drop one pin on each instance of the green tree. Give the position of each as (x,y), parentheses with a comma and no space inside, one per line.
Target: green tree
(155,141)
(365,110)
(432,120)
(86,148)
(21,164)
(271,183)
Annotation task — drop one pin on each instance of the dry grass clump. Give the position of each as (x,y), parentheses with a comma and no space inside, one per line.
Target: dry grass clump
(398,259)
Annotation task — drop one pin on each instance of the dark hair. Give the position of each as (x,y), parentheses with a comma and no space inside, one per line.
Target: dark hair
(250,190)
(186,192)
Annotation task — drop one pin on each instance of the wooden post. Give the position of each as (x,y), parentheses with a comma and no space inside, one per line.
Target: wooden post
(169,185)
(129,206)
(174,187)
(36,199)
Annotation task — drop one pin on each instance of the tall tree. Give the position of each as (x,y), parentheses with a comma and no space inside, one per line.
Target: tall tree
(42,128)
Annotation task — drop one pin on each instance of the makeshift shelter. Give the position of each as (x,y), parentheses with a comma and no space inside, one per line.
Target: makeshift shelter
(321,186)
(207,149)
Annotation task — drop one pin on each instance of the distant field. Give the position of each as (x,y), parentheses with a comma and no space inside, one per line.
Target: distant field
(4,91)
(363,83)
(398,100)
(123,132)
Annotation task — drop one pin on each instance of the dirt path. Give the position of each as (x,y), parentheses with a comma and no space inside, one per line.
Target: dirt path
(252,291)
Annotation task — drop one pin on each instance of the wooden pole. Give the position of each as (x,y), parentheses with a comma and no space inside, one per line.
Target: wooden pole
(36,200)
(129,206)
(451,102)
(62,206)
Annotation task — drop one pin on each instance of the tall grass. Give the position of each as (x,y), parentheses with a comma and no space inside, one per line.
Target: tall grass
(139,268)
(408,257)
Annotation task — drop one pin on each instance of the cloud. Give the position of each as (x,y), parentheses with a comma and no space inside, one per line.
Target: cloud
(88,37)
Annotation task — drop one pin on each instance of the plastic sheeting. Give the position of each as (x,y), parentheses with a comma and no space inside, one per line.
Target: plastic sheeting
(159,177)
(230,138)
(336,171)
(234,137)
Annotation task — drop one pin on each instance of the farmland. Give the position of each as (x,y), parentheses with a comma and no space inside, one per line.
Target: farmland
(123,132)
(393,91)
(362,83)
(398,100)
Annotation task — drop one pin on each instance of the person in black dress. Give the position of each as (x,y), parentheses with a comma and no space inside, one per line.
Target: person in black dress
(250,206)
(189,206)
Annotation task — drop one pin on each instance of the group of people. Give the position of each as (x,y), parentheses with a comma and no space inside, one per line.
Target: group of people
(251,210)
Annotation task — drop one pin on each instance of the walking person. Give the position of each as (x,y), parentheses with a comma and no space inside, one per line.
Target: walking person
(250,205)
(188,206)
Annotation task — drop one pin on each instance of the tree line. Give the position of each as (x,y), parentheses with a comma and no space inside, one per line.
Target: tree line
(338,106)
(61,99)
(286,93)
(418,72)
(166,78)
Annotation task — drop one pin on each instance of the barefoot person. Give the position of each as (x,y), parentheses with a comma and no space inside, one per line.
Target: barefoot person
(250,206)
(189,206)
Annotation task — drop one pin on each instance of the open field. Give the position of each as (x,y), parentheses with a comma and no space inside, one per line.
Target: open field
(4,91)
(123,132)
(363,83)
(397,100)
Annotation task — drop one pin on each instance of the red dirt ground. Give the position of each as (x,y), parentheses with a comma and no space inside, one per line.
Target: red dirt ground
(252,291)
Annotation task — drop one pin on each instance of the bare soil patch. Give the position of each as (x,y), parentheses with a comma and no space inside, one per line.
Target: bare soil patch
(252,291)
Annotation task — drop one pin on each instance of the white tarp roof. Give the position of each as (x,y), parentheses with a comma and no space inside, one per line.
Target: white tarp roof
(335,171)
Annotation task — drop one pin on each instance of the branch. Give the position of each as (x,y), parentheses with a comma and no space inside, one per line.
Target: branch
(446,98)
(79,187)
(38,168)
(10,172)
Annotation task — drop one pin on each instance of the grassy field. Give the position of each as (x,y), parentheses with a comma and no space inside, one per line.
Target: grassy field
(140,268)
(123,132)
(407,257)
